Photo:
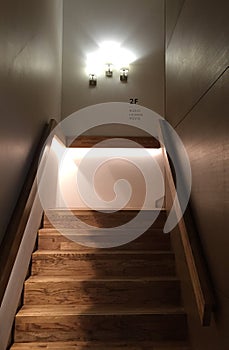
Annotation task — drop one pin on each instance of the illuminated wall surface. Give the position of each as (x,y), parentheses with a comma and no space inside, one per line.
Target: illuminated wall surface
(105,178)
(137,29)
(117,180)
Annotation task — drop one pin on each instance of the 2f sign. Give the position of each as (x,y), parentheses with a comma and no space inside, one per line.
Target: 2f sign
(133,101)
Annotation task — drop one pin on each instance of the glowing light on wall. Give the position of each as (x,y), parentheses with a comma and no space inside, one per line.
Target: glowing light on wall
(106,174)
(111,54)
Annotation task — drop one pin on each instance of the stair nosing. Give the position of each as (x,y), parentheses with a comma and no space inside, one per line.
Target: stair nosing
(71,310)
(57,279)
(69,230)
(116,343)
(105,252)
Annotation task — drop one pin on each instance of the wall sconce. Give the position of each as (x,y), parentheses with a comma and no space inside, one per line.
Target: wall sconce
(124,75)
(109,58)
(92,80)
(109,70)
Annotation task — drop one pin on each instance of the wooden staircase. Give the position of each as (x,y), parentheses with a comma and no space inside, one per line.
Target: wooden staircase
(85,298)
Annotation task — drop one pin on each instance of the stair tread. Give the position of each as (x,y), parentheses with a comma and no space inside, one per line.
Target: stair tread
(55,279)
(95,298)
(65,310)
(88,231)
(80,210)
(76,218)
(80,345)
(104,252)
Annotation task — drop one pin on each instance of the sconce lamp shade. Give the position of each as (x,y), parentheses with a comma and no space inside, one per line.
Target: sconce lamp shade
(124,75)
(109,70)
(92,80)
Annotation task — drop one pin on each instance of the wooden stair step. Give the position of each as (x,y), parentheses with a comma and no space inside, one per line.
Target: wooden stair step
(113,263)
(66,219)
(126,297)
(90,141)
(175,345)
(69,290)
(51,239)
(113,323)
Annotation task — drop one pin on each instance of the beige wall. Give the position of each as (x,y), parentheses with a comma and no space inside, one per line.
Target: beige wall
(114,165)
(30,87)
(139,26)
(197,106)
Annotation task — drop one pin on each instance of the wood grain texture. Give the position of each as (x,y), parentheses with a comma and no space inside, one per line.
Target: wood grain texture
(64,290)
(51,239)
(127,298)
(100,324)
(67,219)
(92,345)
(103,264)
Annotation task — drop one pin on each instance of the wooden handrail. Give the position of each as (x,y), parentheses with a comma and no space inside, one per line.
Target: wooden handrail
(196,263)
(14,232)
